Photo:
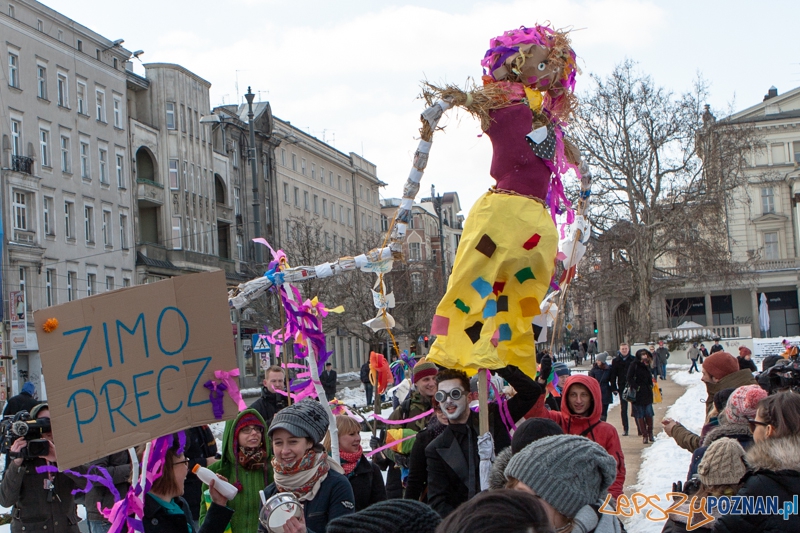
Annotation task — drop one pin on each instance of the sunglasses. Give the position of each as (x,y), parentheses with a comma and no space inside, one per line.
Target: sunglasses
(752,422)
(455,394)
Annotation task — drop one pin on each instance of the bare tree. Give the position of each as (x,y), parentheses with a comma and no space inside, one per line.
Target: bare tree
(663,170)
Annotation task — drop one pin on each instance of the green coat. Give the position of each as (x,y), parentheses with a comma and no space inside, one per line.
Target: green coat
(247,503)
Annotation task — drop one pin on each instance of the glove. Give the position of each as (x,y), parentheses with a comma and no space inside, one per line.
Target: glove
(546,367)
(374,443)
(677,486)
(401,460)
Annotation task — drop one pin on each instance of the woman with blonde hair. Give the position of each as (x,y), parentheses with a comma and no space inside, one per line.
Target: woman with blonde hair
(365,476)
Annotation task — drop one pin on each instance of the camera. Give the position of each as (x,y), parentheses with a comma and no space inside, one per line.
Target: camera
(784,375)
(22,425)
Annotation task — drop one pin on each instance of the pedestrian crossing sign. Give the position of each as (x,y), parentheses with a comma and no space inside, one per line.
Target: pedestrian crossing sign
(260,344)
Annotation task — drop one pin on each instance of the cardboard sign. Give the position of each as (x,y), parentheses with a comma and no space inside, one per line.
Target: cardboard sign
(127,366)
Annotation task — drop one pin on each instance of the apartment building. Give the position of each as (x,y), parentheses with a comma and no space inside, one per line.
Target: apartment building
(66,172)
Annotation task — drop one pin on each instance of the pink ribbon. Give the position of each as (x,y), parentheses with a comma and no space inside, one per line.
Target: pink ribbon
(233,386)
(407,420)
(386,446)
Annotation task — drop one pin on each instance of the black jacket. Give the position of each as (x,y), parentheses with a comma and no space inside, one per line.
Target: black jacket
(603,376)
(364,375)
(367,483)
(449,456)
(269,404)
(21,402)
(745,364)
(118,466)
(328,380)
(619,371)
(417,481)
(641,380)
(157,520)
(200,445)
(776,472)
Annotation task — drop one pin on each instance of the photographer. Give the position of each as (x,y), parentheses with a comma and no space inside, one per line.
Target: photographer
(41,502)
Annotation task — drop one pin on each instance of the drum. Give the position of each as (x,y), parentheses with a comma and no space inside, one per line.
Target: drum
(278,509)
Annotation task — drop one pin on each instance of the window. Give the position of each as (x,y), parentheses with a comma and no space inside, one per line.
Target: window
(327,241)
(11,11)
(416,281)
(361,191)
(117,112)
(49,278)
(303,166)
(288,230)
(120,171)
(322,174)
(41,82)
(342,248)
(65,159)
(126,282)
(316,204)
(347,184)
(85,160)
(23,284)
(294,162)
(176,232)
(325,207)
(191,123)
(107,229)
(88,224)
(183,120)
(363,222)
(796,147)
(103,156)
(330,178)
(13,70)
(82,98)
(414,251)
(170,115)
(767,200)
(123,232)
(62,85)
(283,157)
(47,209)
(100,99)
(71,277)
(341,215)
(305,200)
(109,283)
(16,137)
(335,243)
(313,171)
(91,284)
(339,181)
(296,197)
(69,220)
(80,45)
(384,223)
(240,247)
(237,202)
(174,182)
(771,248)
(44,145)
(350,217)
(39,25)
(60,36)
(20,211)
(286,192)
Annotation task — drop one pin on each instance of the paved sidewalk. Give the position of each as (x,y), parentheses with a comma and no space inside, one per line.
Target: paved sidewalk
(632,445)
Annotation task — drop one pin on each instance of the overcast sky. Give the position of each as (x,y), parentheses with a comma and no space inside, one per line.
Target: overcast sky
(348,72)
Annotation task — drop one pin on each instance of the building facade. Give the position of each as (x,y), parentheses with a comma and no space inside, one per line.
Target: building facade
(66,180)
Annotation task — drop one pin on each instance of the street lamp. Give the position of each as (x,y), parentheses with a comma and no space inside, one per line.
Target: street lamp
(437,206)
(254,171)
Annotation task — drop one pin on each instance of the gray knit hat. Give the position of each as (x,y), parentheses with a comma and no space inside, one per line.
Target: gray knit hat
(305,419)
(390,516)
(566,471)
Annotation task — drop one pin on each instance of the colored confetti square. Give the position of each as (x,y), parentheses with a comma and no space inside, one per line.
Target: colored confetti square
(486,246)
(537,330)
(461,306)
(495,338)
(523,275)
(440,325)
(505,332)
(529,307)
(498,287)
(474,331)
(490,309)
(502,304)
(532,242)
(483,287)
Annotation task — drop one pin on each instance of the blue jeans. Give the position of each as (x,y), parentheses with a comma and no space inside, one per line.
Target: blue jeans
(99,526)
(368,390)
(663,371)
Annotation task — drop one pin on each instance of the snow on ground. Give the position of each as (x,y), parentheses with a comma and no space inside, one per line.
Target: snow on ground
(664,462)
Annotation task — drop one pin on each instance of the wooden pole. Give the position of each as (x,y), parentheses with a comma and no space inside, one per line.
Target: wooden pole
(483,402)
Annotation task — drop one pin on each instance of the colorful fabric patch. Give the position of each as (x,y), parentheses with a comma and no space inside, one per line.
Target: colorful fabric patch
(486,246)
(440,325)
(490,309)
(537,330)
(495,338)
(529,307)
(498,287)
(474,332)
(523,275)
(502,304)
(505,332)
(483,287)
(532,242)
(461,306)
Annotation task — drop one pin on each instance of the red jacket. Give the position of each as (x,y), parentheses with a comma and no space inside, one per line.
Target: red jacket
(590,426)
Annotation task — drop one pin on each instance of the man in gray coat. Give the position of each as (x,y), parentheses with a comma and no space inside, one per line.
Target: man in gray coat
(661,356)
(694,355)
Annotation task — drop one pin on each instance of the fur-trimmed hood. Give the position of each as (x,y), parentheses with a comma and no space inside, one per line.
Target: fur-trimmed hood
(775,454)
(739,432)
(497,476)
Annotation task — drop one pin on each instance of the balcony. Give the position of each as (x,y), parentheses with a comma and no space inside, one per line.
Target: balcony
(224,213)
(24,237)
(149,193)
(22,164)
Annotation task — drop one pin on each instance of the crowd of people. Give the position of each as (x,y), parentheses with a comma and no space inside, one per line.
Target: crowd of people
(553,471)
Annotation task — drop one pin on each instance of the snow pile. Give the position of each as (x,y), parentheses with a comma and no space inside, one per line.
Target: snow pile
(664,463)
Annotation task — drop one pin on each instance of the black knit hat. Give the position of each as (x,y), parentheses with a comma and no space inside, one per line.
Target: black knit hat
(390,516)
(533,429)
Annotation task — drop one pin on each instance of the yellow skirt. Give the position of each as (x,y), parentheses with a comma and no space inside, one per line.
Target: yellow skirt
(503,267)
